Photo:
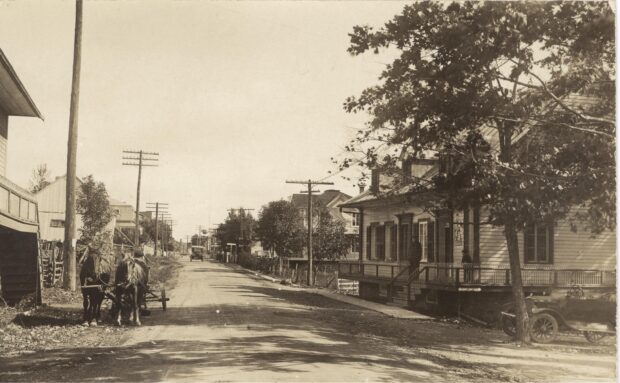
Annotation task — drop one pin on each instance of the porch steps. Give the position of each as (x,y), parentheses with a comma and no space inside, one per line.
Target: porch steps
(399,296)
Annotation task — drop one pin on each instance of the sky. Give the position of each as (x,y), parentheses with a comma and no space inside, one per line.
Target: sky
(236,97)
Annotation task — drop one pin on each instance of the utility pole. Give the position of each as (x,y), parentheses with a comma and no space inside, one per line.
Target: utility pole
(69,261)
(144,159)
(310,183)
(159,206)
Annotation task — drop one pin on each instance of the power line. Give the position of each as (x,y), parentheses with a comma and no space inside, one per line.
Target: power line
(310,183)
(144,159)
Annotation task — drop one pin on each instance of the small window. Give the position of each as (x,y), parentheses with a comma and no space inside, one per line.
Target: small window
(4,199)
(23,209)
(14,205)
(538,243)
(57,223)
(423,227)
(32,211)
(355,219)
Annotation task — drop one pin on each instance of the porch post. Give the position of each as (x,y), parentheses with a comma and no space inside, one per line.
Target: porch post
(361,235)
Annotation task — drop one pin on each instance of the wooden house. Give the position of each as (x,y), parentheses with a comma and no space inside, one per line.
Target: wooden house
(19,226)
(52,201)
(552,255)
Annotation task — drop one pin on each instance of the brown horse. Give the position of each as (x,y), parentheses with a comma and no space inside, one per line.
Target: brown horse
(92,282)
(131,279)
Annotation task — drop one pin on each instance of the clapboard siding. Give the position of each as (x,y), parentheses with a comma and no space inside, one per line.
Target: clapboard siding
(52,201)
(572,250)
(580,250)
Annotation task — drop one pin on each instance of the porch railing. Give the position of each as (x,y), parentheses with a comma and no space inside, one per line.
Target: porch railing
(472,275)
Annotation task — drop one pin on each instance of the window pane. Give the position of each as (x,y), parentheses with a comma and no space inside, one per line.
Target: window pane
(423,240)
(23,209)
(14,205)
(380,241)
(32,211)
(541,243)
(530,244)
(4,199)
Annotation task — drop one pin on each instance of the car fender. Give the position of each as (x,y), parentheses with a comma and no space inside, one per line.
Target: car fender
(556,314)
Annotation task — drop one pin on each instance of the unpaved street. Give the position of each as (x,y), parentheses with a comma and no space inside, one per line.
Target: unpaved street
(226,325)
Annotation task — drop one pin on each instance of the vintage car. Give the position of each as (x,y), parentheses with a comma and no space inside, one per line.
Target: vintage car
(197,252)
(593,314)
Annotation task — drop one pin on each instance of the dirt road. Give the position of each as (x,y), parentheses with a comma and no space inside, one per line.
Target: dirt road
(225,325)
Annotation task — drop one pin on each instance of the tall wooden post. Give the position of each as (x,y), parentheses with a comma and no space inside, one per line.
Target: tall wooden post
(156,225)
(136,236)
(69,261)
(310,183)
(309,232)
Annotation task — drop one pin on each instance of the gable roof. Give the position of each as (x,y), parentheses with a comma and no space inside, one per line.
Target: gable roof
(301,200)
(582,103)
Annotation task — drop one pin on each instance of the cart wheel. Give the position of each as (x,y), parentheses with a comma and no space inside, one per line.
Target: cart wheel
(594,337)
(544,328)
(163,299)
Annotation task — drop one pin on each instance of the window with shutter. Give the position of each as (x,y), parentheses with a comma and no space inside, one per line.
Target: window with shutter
(380,243)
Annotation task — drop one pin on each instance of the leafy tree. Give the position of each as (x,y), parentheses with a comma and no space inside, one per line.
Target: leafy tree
(280,228)
(238,229)
(40,178)
(328,237)
(490,86)
(94,207)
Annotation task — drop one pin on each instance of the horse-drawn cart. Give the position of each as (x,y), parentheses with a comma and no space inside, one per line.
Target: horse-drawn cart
(151,295)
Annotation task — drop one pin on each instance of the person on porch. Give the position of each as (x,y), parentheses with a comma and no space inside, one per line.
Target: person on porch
(415,256)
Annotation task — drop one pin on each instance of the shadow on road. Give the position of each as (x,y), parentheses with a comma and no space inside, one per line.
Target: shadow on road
(282,330)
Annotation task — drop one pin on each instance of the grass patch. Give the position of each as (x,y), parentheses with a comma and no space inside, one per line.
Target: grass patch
(163,271)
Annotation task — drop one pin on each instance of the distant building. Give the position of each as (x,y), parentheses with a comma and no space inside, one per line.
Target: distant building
(19,225)
(52,200)
(331,200)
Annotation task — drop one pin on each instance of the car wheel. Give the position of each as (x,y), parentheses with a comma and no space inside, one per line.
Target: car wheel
(544,328)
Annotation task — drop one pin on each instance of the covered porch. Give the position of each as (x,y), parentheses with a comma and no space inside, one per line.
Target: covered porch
(472,277)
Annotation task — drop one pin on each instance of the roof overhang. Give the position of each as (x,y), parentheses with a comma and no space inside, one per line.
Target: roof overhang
(423,197)
(14,99)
